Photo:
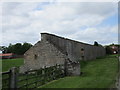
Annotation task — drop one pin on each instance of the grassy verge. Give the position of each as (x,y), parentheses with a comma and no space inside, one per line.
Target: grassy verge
(8,63)
(99,73)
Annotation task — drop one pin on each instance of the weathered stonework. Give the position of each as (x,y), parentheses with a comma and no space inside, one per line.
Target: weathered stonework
(72,68)
(52,50)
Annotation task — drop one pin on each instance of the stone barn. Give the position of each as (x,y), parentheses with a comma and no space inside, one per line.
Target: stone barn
(52,50)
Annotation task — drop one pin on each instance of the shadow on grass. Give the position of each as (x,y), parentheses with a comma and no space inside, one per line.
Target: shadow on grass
(83,64)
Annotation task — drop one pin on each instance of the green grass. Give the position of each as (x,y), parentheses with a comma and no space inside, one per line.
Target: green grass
(100,73)
(8,63)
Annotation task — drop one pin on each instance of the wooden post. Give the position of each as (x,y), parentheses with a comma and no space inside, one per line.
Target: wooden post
(43,75)
(13,77)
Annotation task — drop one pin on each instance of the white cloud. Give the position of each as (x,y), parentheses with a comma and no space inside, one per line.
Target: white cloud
(24,21)
(60,0)
(103,35)
(17,8)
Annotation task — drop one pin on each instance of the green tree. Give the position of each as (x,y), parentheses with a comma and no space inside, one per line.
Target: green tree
(96,43)
(10,48)
(25,47)
(17,48)
(108,50)
(3,49)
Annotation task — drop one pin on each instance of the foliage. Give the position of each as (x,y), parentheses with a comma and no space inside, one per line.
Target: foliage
(3,49)
(96,43)
(17,48)
(108,50)
(25,47)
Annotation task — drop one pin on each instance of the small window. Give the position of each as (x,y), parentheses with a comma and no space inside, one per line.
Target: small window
(35,56)
(82,53)
(82,49)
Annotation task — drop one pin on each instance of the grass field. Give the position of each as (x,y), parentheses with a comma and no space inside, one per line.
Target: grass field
(8,63)
(100,73)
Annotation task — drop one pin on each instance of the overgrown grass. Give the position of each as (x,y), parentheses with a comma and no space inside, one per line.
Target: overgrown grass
(99,73)
(8,63)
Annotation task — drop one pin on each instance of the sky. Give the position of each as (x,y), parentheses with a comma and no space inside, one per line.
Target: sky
(81,21)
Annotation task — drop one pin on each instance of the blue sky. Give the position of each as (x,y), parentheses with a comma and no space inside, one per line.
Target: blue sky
(112,20)
(85,22)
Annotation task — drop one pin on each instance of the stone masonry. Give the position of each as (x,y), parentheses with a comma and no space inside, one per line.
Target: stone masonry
(52,50)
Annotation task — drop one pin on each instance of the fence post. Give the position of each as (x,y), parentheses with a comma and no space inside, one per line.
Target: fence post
(43,75)
(13,77)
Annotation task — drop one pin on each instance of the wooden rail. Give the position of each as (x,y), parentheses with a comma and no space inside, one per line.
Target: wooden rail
(33,78)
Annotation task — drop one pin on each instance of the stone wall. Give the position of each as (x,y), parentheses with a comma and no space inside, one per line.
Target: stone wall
(40,55)
(73,49)
(52,50)
(72,68)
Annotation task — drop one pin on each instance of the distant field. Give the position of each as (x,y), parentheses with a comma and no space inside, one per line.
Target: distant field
(100,73)
(8,63)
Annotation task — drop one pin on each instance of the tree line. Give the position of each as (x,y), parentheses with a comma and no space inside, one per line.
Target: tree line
(20,48)
(109,49)
(17,48)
